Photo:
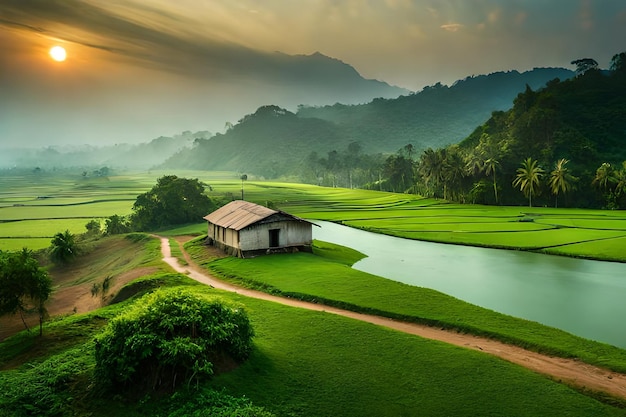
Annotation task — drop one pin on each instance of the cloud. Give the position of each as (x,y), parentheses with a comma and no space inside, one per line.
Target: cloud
(220,50)
(139,35)
(452,27)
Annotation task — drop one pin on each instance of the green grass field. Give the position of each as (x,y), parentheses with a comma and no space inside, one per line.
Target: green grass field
(35,207)
(304,363)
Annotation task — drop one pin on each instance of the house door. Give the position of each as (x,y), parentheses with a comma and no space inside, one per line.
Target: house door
(274,238)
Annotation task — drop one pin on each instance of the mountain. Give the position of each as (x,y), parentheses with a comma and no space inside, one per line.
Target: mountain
(275,142)
(319,79)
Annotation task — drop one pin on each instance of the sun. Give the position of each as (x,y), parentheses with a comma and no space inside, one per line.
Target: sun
(58,53)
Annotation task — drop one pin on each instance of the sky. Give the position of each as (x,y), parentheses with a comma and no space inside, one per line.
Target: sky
(139,69)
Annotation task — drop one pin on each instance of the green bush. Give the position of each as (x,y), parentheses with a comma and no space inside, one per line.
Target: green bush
(211,403)
(171,337)
(63,247)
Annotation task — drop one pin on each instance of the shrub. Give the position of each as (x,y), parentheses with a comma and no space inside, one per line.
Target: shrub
(171,337)
(63,247)
(93,227)
(116,225)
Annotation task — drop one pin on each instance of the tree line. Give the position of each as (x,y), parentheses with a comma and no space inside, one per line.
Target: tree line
(475,177)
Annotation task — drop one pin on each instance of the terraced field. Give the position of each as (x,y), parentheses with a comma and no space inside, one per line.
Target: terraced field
(34,207)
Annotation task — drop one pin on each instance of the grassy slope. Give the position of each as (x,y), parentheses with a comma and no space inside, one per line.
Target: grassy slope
(304,363)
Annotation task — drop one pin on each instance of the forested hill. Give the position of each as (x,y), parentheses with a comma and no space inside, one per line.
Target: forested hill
(274,142)
(582,120)
(437,116)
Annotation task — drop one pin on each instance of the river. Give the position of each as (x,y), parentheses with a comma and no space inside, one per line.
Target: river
(586,298)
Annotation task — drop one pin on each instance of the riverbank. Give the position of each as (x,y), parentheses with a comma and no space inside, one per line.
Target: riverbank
(579,296)
(578,233)
(573,372)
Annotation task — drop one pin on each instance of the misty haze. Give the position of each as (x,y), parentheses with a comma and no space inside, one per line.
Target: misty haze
(312,208)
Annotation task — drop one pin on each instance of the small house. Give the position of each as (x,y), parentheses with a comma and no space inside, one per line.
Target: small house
(246,229)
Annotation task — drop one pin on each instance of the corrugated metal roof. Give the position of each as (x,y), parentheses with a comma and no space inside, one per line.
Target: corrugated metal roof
(239,214)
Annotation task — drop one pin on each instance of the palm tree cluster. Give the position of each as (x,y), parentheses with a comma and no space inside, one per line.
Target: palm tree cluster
(457,175)
(611,183)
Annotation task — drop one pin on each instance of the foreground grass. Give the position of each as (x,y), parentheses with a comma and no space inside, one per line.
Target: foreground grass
(304,364)
(326,281)
(317,364)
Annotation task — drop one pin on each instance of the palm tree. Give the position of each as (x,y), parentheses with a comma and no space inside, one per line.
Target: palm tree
(474,163)
(491,165)
(63,247)
(604,176)
(560,179)
(431,167)
(620,180)
(527,178)
(453,170)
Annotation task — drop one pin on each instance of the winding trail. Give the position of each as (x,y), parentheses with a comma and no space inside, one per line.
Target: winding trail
(569,371)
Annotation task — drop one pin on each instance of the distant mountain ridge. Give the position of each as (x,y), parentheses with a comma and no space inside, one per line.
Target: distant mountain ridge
(317,79)
(275,142)
(125,156)
(333,76)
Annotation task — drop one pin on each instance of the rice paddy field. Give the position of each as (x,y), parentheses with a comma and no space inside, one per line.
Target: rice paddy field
(33,207)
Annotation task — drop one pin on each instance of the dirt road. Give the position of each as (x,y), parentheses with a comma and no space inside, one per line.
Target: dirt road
(571,372)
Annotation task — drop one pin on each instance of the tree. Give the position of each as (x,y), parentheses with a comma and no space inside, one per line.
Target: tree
(93,227)
(352,158)
(409,150)
(116,224)
(431,168)
(604,180)
(399,172)
(584,64)
(168,338)
(63,247)
(620,180)
(618,62)
(560,180)
(24,285)
(491,165)
(332,164)
(604,176)
(453,171)
(172,200)
(527,179)
(487,155)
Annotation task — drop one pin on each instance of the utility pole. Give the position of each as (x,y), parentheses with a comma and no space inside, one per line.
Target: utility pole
(243,178)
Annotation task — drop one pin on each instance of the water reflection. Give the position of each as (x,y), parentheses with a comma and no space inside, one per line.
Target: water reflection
(580,296)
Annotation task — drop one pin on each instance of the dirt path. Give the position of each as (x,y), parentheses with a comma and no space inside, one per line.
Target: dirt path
(571,372)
